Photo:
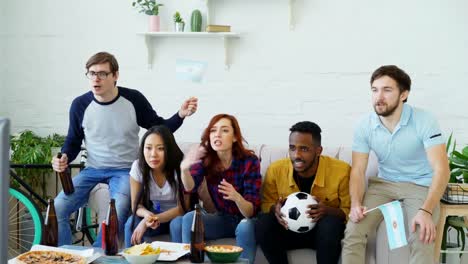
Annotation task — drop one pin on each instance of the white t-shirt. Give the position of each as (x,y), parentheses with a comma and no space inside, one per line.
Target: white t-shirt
(166,196)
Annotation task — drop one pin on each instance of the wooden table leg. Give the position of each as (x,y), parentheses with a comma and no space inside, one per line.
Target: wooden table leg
(439,232)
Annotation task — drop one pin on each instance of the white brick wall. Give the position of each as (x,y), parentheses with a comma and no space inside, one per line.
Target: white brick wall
(319,71)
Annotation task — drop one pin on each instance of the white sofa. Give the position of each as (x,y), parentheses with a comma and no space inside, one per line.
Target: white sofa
(377,248)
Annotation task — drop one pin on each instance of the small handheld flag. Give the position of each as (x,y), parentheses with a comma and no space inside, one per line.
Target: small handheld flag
(393,215)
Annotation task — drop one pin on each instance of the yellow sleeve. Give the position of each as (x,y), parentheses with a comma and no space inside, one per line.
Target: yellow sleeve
(270,192)
(343,195)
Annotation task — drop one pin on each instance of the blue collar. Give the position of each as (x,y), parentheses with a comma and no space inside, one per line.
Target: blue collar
(404,118)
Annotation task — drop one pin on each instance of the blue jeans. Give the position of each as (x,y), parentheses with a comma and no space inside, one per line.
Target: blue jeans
(175,229)
(162,229)
(220,226)
(119,187)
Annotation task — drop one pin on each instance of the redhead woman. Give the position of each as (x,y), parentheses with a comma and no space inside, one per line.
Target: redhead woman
(232,175)
(156,193)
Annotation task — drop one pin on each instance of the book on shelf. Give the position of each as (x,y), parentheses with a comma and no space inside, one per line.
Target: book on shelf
(218,28)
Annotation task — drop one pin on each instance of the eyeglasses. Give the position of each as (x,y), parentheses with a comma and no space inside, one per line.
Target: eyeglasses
(101,75)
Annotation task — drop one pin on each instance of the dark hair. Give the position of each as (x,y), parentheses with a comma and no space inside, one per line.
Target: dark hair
(308,127)
(173,155)
(401,77)
(211,162)
(103,57)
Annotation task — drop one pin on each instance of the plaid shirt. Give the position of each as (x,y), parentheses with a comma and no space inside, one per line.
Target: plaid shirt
(243,174)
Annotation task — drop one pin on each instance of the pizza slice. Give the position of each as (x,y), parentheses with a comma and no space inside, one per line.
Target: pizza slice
(49,257)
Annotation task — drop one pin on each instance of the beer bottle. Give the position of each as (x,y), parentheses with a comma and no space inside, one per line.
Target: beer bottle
(65,178)
(50,235)
(112,230)
(197,242)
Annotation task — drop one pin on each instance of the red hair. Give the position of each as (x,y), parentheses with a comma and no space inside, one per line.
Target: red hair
(211,162)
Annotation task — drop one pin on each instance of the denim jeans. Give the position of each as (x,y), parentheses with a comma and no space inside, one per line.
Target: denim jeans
(162,229)
(219,226)
(119,187)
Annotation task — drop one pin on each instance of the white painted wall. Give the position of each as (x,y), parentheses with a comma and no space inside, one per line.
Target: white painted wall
(2,59)
(319,72)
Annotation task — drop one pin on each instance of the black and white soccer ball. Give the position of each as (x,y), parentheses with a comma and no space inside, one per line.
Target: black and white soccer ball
(295,209)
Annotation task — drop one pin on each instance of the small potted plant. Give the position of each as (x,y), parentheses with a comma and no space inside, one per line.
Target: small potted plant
(150,8)
(178,23)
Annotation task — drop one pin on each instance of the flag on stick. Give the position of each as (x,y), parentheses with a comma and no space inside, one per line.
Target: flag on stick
(393,215)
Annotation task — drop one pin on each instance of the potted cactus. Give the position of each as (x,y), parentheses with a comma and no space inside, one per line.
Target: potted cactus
(196,21)
(178,23)
(150,8)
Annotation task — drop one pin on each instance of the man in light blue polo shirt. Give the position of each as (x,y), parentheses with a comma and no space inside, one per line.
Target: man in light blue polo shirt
(413,168)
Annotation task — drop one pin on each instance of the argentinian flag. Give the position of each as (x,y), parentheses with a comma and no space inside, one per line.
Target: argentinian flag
(190,70)
(393,215)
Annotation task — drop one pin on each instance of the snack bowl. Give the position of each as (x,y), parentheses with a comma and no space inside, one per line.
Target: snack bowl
(141,254)
(140,259)
(223,253)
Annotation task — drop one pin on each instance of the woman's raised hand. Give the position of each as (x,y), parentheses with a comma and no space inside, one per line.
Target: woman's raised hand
(194,155)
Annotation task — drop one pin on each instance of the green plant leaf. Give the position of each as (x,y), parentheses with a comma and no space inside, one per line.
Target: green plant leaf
(454,166)
(458,161)
(465,151)
(459,155)
(29,148)
(449,141)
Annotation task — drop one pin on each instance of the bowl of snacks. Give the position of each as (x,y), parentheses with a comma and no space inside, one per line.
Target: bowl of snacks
(223,253)
(141,254)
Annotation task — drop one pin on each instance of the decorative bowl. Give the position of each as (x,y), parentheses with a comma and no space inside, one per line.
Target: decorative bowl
(223,253)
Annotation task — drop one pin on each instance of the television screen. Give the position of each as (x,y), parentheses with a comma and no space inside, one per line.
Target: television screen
(4,184)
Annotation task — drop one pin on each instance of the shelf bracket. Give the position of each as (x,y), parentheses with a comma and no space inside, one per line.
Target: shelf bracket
(226,53)
(291,14)
(149,50)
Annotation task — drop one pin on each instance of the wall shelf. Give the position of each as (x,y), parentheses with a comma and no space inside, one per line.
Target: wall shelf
(150,37)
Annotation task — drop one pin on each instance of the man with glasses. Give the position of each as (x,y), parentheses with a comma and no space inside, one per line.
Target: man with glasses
(108,119)
(306,170)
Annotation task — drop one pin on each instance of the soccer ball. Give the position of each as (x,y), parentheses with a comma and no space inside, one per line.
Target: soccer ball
(295,209)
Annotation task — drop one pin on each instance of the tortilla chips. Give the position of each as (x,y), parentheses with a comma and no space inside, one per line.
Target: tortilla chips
(142,250)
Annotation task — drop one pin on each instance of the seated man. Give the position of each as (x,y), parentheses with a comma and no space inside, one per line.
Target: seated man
(413,167)
(308,171)
(108,119)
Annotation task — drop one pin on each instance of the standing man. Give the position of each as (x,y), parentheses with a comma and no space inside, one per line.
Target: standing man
(325,178)
(108,119)
(413,167)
